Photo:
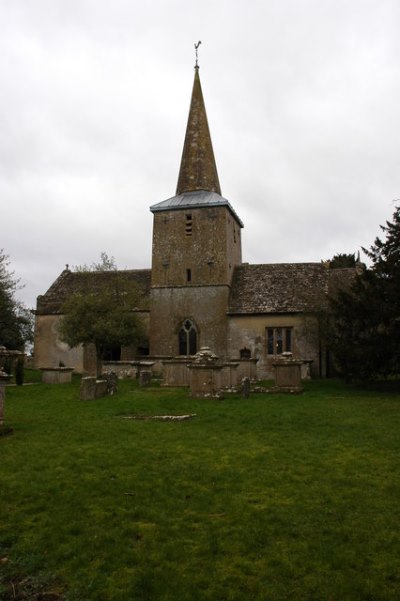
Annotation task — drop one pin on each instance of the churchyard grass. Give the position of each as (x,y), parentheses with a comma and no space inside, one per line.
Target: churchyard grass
(272,498)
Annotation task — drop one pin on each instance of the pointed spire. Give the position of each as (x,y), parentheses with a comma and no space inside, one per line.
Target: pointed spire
(198,170)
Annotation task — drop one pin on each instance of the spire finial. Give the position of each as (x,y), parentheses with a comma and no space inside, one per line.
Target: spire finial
(196,47)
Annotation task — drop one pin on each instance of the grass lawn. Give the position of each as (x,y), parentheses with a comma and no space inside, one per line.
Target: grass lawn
(272,498)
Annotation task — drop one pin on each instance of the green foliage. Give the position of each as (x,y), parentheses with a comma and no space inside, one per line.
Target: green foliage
(19,371)
(106,263)
(16,322)
(272,498)
(103,315)
(342,260)
(365,334)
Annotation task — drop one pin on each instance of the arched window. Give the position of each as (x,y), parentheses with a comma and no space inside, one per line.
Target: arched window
(188,338)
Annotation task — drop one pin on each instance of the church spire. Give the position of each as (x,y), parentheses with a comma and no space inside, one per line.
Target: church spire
(198,170)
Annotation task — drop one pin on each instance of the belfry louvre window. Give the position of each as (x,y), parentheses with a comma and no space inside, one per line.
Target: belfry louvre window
(188,225)
(279,340)
(188,338)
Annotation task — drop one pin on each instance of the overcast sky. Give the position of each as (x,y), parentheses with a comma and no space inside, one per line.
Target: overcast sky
(302,98)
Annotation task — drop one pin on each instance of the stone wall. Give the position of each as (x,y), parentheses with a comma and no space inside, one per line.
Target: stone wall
(250,332)
(204,305)
(49,350)
(211,248)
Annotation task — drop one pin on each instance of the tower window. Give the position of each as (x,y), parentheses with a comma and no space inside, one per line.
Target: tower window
(188,275)
(188,338)
(188,225)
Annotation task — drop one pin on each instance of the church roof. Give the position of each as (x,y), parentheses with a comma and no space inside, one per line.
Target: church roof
(197,199)
(279,288)
(71,282)
(256,289)
(198,170)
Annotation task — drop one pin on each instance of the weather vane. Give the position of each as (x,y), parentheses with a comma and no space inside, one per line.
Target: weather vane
(196,47)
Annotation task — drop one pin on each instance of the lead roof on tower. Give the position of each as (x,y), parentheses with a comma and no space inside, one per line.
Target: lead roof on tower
(198,183)
(193,200)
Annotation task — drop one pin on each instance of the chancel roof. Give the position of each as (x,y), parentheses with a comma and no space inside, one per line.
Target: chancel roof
(284,287)
(72,282)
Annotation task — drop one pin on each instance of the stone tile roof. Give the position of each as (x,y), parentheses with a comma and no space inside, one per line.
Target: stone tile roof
(256,289)
(198,170)
(70,282)
(284,287)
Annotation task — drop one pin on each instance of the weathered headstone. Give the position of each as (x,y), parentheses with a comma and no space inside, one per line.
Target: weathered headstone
(205,375)
(112,382)
(245,388)
(101,388)
(144,377)
(288,374)
(4,378)
(56,375)
(87,390)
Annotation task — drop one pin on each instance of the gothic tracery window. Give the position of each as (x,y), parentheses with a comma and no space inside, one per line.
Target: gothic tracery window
(188,338)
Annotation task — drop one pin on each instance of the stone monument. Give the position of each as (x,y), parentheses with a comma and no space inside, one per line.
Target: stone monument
(205,375)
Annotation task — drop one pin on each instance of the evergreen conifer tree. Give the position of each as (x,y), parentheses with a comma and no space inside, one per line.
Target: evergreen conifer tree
(365,337)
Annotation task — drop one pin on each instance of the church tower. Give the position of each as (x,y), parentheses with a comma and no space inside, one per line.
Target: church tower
(196,245)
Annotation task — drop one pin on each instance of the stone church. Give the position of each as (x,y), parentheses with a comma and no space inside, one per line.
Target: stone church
(198,291)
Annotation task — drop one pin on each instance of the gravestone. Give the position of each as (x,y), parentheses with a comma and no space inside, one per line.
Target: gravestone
(288,374)
(112,382)
(4,378)
(56,375)
(245,388)
(205,375)
(87,390)
(144,377)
